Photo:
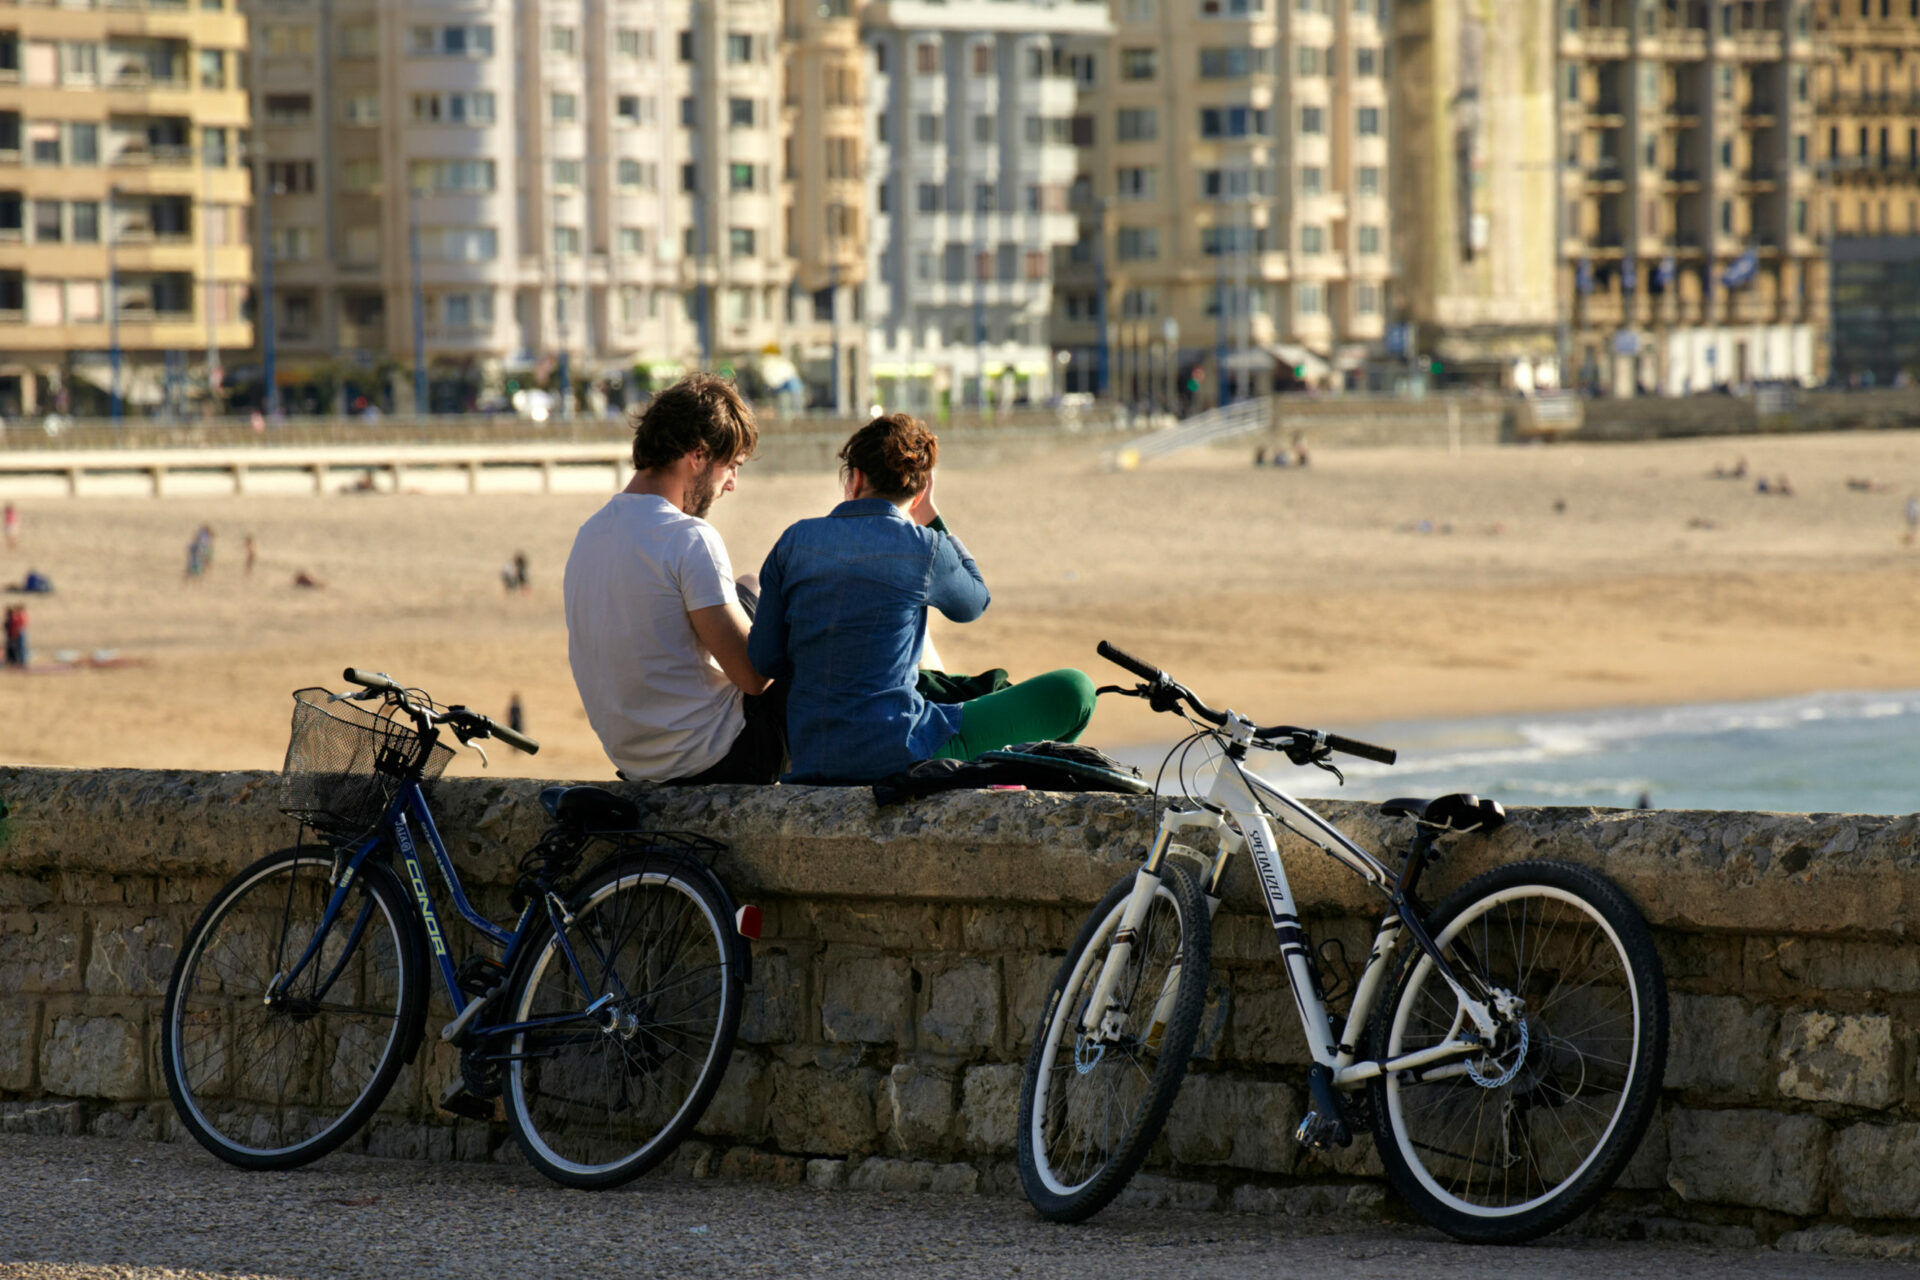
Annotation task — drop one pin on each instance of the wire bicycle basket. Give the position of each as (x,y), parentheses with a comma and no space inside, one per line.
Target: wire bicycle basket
(345,762)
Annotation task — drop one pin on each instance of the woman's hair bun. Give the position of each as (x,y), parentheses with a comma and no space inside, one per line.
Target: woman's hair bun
(895,452)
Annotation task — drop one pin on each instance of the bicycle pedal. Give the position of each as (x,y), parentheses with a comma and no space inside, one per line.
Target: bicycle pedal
(462,1101)
(1322,1133)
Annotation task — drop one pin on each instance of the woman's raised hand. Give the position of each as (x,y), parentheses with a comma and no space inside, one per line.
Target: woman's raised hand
(923,511)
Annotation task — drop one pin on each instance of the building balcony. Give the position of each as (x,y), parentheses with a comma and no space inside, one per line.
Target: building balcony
(1902,168)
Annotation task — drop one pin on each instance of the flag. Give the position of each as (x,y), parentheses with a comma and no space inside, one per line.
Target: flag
(1629,274)
(1744,269)
(1664,273)
(1583,276)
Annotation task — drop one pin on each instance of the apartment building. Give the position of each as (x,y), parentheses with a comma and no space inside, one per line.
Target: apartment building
(972,107)
(1473,191)
(1691,250)
(1868,138)
(123,202)
(1235,215)
(580,189)
(827,211)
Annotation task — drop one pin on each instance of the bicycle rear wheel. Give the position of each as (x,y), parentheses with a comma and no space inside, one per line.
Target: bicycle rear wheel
(271,1080)
(1091,1109)
(598,1099)
(1520,1141)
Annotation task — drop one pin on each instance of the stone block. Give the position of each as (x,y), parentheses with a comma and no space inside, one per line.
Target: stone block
(775,1005)
(827,1175)
(19,1042)
(127,1124)
(1265,1023)
(739,1107)
(907,1176)
(996,927)
(917,1108)
(866,998)
(1247,1124)
(891,924)
(43,1117)
(100,1057)
(1795,966)
(84,889)
(1152,1191)
(963,1009)
(819,1110)
(1720,1045)
(1876,1171)
(132,955)
(38,953)
(1845,1058)
(1028,979)
(763,1166)
(1761,1159)
(18,890)
(990,1108)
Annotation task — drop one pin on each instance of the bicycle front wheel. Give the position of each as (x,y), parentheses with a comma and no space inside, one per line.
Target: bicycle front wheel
(624,1068)
(1091,1106)
(269,1071)
(1520,1140)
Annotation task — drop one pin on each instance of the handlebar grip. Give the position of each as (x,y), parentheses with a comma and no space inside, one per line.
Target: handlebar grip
(1365,750)
(1120,657)
(370,680)
(514,738)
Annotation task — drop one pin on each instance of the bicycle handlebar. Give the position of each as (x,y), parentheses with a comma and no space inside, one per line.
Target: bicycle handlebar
(1163,684)
(469,724)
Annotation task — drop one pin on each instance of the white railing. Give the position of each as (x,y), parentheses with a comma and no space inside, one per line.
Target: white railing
(1223,423)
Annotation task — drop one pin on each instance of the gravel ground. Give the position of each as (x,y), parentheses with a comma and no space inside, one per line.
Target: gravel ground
(72,1208)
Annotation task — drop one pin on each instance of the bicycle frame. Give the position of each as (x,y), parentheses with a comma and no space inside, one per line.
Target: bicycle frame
(1236,815)
(407,811)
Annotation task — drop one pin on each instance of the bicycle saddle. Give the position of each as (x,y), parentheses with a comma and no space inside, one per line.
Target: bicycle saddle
(590,808)
(1458,812)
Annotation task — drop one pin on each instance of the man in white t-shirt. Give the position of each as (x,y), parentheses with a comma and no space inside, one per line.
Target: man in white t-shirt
(656,624)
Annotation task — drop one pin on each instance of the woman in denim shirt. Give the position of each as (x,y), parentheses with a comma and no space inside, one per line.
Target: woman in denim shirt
(843,619)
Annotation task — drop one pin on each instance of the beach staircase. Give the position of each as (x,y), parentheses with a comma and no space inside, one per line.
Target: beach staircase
(1210,427)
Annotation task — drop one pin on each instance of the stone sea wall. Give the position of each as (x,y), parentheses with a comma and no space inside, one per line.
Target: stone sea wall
(906,952)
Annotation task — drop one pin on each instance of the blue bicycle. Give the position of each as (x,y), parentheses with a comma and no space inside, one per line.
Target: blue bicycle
(603,1019)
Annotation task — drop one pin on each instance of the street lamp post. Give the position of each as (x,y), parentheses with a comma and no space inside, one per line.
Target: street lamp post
(420,404)
(560,312)
(1101,354)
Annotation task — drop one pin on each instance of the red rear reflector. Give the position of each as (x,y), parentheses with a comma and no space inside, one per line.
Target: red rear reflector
(747,921)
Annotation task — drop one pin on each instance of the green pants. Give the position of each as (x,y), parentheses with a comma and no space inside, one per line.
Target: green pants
(1054,706)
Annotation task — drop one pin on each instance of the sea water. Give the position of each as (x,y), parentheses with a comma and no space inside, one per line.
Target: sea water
(1820,753)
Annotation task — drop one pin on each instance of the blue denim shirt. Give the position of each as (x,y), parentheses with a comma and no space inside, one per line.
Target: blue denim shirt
(842,617)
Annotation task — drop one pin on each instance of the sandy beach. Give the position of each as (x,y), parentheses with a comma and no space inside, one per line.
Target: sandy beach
(1378,584)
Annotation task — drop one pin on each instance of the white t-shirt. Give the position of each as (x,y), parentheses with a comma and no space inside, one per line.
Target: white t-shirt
(658,700)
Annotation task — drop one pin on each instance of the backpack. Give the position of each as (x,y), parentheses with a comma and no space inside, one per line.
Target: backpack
(1040,766)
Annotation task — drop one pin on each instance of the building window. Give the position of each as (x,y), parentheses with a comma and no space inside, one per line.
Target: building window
(1369,122)
(1308,298)
(1309,60)
(1310,179)
(1135,244)
(1136,124)
(560,39)
(360,175)
(983,59)
(740,242)
(361,108)
(1312,120)
(1137,64)
(629,42)
(927,127)
(1136,184)
(47,222)
(566,173)
(1235,122)
(739,48)
(739,113)
(1369,239)
(358,40)
(290,177)
(83,144)
(563,108)
(926,57)
(566,242)
(1366,62)
(84,221)
(1366,299)
(740,177)
(1233,62)
(1312,239)
(928,197)
(213,148)
(451,175)
(1726,217)
(1368,180)
(632,242)
(983,129)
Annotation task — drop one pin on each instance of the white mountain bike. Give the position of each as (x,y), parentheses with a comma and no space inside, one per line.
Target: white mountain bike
(1505,1048)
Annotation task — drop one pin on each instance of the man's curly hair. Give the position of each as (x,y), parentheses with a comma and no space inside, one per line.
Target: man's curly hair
(701,411)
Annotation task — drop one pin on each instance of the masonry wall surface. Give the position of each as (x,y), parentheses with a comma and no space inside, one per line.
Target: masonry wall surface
(906,951)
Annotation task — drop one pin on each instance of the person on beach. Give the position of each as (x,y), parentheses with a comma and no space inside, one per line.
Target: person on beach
(656,623)
(17,636)
(13,526)
(843,617)
(252,551)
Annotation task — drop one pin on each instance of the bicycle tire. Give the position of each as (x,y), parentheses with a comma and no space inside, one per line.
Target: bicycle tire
(1056,1114)
(1591,1058)
(275,1086)
(597,1107)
